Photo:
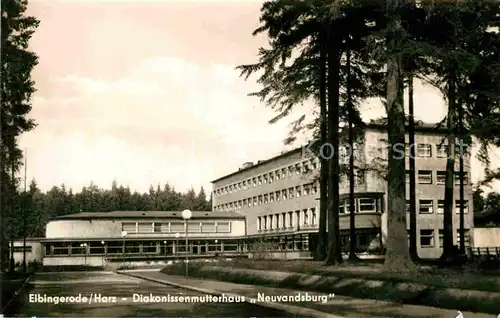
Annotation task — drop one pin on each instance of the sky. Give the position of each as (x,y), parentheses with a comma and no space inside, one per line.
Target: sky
(146,93)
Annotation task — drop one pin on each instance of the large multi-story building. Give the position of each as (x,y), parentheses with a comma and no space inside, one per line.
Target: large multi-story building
(280,196)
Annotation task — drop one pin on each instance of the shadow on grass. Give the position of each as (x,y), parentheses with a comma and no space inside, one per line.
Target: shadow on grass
(372,270)
(386,290)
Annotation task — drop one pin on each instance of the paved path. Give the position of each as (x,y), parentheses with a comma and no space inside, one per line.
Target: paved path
(338,305)
(119,290)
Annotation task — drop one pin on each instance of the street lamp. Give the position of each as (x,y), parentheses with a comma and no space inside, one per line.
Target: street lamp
(103,251)
(124,234)
(84,246)
(165,247)
(216,249)
(177,235)
(186,215)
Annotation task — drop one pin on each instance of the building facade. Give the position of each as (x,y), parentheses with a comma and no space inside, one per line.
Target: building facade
(96,239)
(280,196)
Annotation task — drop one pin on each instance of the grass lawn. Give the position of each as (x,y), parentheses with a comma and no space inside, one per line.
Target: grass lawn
(432,276)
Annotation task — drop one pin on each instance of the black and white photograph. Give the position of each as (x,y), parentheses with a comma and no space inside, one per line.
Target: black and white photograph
(250,158)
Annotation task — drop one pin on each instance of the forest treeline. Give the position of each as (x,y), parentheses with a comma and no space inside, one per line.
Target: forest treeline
(39,207)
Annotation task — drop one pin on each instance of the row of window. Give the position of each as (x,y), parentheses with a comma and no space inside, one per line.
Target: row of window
(176,227)
(425,150)
(275,196)
(269,177)
(427,177)
(140,247)
(287,220)
(427,238)
(427,206)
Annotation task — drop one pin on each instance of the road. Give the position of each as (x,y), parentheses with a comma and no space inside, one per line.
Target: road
(114,285)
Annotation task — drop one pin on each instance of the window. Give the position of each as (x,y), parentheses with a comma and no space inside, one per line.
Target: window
(259,178)
(21,249)
(314,165)
(283,173)
(276,221)
(306,166)
(290,171)
(284,194)
(271,197)
(271,221)
(297,215)
(208,227)
(307,189)
(266,198)
(298,190)
(194,227)
(265,178)
(264,223)
(223,227)
(298,168)
(244,184)
(157,227)
(306,217)
(367,205)
(259,223)
(315,188)
(441,177)
(457,178)
(360,176)
(149,247)
(271,177)
(425,207)
(255,201)
(260,199)
(290,219)
(290,192)
(277,174)
(144,227)
(245,201)
(427,238)
(424,150)
(314,220)
(466,237)
(425,177)
(278,195)
(465,204)
(249,202)
(283,219)
(341,207)
(254,181)
(440,207)
(129,227)
(442,151)
(177,227)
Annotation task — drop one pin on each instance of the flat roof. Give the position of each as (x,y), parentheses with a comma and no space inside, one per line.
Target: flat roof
(374,125)
(150,215)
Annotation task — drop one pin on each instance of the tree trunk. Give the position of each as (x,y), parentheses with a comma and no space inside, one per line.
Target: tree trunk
(323,200)
(413,203)
(350,153)
(334,254)
(448,249)
(462,179)
(12,266)
(397,256)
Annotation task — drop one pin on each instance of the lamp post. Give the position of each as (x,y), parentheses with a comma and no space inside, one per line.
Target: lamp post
(165,247)
(84,246)
(103,252)
(216,249)
(177,235)
(186,215)
(124,234)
